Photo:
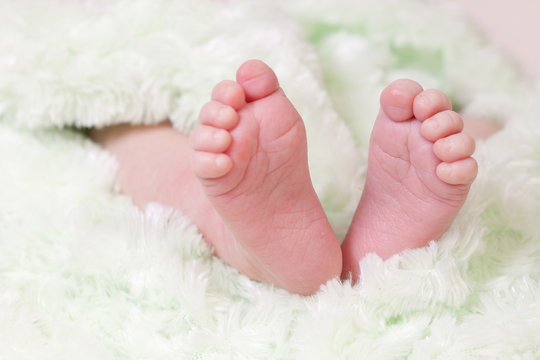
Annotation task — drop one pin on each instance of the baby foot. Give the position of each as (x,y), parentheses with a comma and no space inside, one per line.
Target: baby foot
(419,173)
(250,155)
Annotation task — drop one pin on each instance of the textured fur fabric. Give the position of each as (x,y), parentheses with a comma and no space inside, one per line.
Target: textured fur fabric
(85,274)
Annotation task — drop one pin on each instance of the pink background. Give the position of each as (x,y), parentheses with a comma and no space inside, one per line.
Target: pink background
(512,24)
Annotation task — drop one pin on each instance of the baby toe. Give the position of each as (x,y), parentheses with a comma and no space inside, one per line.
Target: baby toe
(461,172)
(442,124)
(230,93)
(397,99)
(430,102)
(454,147)
(210,139)
(218,115)
(208,165)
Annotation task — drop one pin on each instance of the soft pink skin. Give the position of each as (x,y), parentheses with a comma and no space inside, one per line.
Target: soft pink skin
(419,174)
(249,191)
(251,159)
(247,188)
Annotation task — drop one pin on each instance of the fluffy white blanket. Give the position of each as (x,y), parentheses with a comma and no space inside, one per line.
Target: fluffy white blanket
(85,274)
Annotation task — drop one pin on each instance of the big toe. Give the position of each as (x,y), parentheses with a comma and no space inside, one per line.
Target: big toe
(257,79)
(397,99)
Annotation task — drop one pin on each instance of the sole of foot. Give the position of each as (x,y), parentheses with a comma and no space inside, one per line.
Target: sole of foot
(419,173)
(250,155)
